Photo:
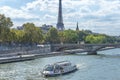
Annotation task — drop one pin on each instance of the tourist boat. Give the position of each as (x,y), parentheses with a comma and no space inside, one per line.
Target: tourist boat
(58,68)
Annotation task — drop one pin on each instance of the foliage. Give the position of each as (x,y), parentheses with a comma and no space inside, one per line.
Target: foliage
(5,21)
(17,35)
(82,34)
(52,36)
(33,34)
(68,36)
(95,39)
(5,24)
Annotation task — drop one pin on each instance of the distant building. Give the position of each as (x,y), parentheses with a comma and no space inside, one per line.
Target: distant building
(60,25)
(45,28)
(19,28)
(77,28)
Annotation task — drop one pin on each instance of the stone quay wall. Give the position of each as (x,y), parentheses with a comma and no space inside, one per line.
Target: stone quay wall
(13,51)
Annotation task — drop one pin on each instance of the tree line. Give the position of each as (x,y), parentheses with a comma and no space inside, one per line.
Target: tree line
(31,34)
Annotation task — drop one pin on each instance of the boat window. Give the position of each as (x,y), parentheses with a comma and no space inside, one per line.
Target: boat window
(49,68)
(67,64)
(57,67)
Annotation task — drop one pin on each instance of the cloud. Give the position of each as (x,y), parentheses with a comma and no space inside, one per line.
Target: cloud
(96,15)
(15,13)
(49,17)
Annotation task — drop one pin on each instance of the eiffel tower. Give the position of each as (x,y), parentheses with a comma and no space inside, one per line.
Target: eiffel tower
(60,25)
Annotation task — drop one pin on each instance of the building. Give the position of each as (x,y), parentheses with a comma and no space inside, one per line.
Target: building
(45,28)
(60,25)
(19,28)
(77,28)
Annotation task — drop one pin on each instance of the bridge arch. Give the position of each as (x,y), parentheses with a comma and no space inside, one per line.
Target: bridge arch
(90,48)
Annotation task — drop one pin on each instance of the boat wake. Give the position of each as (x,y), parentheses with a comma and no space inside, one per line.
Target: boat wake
(81,66)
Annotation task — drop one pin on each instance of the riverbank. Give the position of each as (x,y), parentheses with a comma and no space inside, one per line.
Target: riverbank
(18,58)
(15,54)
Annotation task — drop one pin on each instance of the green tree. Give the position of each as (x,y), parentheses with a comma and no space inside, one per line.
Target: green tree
(12,36)
(52,36)
(82,34)
(5,21)
(61,37)
(68,36)
(5,24)
(95,39)
(38,35)
(33,34)
(4,34)
(17,35)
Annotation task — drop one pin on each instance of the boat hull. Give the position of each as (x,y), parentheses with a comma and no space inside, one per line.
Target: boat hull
(58,74)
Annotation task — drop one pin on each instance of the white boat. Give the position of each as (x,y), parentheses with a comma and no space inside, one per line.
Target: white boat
(58,68)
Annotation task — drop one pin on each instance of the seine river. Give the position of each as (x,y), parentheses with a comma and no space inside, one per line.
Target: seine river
(105,66)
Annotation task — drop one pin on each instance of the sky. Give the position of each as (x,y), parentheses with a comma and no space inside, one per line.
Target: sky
(100,16)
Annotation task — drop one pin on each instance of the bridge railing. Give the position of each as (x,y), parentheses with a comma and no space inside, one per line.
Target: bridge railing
(88,47)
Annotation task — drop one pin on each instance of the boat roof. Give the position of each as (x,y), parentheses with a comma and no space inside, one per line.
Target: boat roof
(63,63)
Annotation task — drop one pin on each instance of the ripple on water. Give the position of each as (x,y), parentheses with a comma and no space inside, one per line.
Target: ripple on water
(104,66)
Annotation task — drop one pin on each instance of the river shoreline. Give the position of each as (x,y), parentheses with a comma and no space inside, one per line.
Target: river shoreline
(27,57)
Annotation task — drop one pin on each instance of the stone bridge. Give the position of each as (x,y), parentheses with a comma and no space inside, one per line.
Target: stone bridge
(90,48)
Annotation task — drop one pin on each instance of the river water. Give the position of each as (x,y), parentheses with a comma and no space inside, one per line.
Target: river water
(104,66)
